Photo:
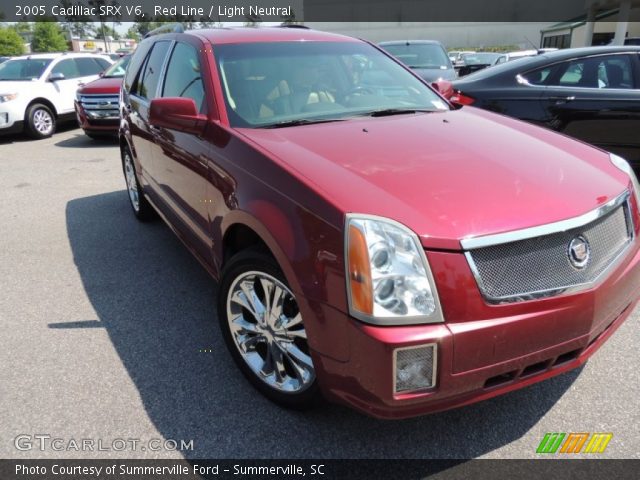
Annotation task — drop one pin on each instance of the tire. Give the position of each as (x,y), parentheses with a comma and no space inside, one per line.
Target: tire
(141,207)
(40,122)
(273,356)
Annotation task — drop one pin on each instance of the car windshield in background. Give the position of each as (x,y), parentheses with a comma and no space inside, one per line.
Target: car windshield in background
(118,69)
(23,69)
(284,83)
(480,58)
(420,55)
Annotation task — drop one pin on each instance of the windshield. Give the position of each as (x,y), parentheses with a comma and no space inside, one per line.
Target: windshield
(23,69)
(118,69)
(480,58)
(266,84)
(420,55)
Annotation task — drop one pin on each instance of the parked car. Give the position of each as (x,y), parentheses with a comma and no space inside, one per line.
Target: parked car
(456,56)
(427,58)
(591,93)
(37,91)
(96,102)
(361,250)
(473,62)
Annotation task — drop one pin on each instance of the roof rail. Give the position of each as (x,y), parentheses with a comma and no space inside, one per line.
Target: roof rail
(170,28)
(293,25)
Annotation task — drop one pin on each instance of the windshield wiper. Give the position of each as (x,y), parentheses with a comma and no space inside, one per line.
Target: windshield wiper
(395,111)
(301,121)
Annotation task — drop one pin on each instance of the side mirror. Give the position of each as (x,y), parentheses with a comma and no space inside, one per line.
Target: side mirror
(444,87)
(176,113)
(56,77)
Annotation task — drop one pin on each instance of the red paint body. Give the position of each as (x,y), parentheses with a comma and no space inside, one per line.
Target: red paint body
(293,186)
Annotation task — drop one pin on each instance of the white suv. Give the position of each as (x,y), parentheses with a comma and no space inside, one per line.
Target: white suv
(36,91)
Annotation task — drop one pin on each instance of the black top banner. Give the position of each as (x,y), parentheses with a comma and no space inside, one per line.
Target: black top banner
(294,10)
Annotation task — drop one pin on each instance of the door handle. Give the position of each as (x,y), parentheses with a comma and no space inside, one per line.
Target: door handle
(562,100)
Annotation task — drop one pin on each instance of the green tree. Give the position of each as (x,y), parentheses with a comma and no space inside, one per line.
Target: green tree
(10,43)
(145,27)
(22,27)
(47,37)
(80,29)
(106,31)
(133,33)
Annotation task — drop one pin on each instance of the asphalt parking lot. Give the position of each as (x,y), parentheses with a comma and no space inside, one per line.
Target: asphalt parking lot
(104,323)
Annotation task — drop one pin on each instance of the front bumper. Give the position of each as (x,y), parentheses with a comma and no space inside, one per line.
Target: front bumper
(482,350)
(106,124)
(11,117)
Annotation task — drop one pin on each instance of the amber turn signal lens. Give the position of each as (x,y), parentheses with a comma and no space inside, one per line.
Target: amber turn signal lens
(360,272)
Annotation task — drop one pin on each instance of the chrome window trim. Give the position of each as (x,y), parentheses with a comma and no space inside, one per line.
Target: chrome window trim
(434,373)
(471,243)
(558,227)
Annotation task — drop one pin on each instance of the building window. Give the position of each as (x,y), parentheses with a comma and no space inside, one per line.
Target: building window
(557,41)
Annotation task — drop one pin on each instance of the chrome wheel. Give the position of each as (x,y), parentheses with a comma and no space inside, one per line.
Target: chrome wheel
(266,327)
(132,183)
(43,122)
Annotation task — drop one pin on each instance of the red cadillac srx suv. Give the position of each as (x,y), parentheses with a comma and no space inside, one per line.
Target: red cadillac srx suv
(363,252)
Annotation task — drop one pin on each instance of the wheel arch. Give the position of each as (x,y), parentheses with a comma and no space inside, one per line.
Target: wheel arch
(241,230)
(44,102)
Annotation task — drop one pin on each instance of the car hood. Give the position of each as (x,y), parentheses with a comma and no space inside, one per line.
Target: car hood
(102,85)
(447,175)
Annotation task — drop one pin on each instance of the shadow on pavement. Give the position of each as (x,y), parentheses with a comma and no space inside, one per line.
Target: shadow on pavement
(22,137)
(80,140)
(157,305)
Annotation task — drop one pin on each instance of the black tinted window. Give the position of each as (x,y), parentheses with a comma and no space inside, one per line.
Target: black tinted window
(138,58)
(148,82)
(602,71)
(184,76)
(539,76)
(103,63)
(88,67)
(66,67)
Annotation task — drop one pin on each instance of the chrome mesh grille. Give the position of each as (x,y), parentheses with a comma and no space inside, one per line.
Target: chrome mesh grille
(414,368)
(537,266)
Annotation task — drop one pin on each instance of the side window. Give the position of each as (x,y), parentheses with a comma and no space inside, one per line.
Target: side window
(602,71)
(576,74)
(88,67)
(615,72)
(136,62)
(184,76)
(150,74)
(103,63)
(539,76)
(66,67)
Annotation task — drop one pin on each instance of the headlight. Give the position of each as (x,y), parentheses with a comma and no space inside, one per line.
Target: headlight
(389,281)
(5,97)
(623,165)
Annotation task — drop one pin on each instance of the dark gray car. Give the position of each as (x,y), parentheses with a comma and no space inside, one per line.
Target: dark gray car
(427,57)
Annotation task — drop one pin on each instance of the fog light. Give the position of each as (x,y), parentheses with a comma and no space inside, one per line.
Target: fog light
(4,118)
(415,368)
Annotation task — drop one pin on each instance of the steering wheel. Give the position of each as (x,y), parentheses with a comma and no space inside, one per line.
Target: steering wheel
(360,90)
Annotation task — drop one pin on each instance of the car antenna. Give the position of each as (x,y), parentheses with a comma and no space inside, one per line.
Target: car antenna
(537,49)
